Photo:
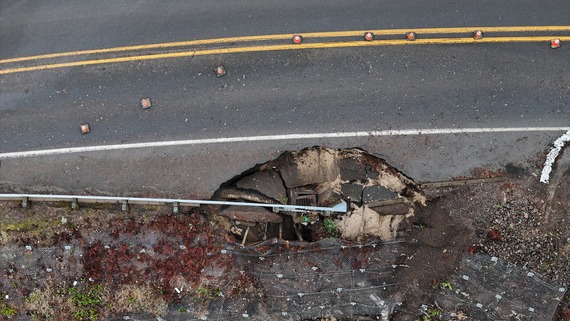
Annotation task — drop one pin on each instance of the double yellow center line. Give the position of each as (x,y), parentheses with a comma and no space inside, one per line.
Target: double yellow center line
(460,38)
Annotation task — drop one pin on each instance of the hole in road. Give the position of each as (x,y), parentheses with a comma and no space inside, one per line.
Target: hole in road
(379,197)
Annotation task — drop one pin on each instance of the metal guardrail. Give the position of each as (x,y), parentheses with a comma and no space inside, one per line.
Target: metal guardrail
(75,200)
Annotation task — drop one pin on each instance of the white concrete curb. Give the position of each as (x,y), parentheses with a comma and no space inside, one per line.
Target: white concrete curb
(551,157)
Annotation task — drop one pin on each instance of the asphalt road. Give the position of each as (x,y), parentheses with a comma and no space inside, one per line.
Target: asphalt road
(34,27)
(269,93)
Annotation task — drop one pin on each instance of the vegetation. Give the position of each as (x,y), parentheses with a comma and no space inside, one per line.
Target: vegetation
(330,226)
(7,311)
(446,285)
(87,300)
(208,293)
(32,226)
(93,302)
(431,314)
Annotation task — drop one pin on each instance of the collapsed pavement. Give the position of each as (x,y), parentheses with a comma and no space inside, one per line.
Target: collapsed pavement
(383,201)
(380,197)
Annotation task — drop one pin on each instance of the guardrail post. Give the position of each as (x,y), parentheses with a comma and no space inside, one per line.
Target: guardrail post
(25,203)
(74,204)
(124,206)
(175,207)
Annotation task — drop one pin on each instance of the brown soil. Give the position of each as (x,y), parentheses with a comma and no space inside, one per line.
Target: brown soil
(514,221)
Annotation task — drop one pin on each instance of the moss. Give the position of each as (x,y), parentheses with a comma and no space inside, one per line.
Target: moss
(61,204)
(29,227)
(29,224)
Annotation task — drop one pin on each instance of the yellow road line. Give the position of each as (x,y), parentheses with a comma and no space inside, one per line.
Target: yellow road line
(354,33)
(321,45)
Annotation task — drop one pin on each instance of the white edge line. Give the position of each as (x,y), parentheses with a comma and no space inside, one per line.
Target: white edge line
(552,155)
(402,132)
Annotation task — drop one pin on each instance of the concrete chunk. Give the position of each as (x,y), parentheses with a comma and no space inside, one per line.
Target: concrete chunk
(251,214)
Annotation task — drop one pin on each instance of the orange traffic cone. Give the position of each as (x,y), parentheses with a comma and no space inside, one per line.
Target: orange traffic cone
(411,36)
(477,34)
(85,129)
(368,36)
(555,43)
(220,71)
(297,39)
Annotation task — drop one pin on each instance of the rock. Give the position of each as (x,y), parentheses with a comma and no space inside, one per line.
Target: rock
(251,214)
(310,166)
(266,182)
(395,209)
(352,191)
(326,195)
(248,195)
(354,170)
(377,193)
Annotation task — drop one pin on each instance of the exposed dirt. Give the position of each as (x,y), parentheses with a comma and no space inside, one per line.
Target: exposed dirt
(98,262)
(364,222)
(507,220)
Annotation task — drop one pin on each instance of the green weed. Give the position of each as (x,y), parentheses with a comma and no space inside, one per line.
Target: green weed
(446,285)
(330,226)
(431,314)
(87,300)
(204,292)
(7,311)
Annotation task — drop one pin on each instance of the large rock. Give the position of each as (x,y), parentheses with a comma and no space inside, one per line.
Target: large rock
(266,182)
(377,193)
(354,170)
(352,191)
(311,166)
